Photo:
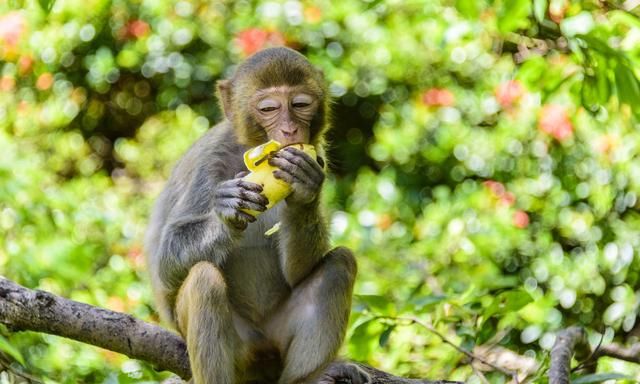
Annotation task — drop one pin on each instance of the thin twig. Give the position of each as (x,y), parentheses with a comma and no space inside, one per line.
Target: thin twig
(445,340)
(480,375)
(8,367)
(587,362)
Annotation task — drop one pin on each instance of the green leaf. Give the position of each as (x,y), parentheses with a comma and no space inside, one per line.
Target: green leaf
(384,336)
(600,377)
(376,303)
(487,331)
(424,301)
(540,9)
(10,350)
(46,5)
(628,87)
(360,340)
(468,8)
(508,301)
(513,15)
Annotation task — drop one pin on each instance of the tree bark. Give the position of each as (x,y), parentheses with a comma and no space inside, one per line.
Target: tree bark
(561,353)
(34,310)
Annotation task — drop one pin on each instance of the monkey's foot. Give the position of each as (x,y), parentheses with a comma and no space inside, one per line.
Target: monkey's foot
(343,373)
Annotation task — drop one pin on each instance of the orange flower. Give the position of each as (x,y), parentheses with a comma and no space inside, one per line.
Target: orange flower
(384,221)
(438,97)
(555,122)
(557,10)
(254,39)
(509,92)
(45,81)
(313,14)
(7,83)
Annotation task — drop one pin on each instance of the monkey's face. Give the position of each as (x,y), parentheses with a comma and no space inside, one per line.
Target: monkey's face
(285,112)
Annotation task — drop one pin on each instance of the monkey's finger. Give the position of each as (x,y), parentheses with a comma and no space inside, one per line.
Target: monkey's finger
(253,197)
(240,175)
(244,217)
(313,163)
(246,204)
(302,160)
(285,176)
(236,216)
(231,197)
(292,168)
(230,188)
(249,186)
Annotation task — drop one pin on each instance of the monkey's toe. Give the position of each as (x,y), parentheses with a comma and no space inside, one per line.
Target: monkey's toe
(344,373)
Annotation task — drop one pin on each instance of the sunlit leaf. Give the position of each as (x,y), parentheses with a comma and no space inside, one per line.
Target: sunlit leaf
(540,9)
(513,15)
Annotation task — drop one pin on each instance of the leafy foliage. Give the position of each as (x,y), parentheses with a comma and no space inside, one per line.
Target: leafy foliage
(484,157)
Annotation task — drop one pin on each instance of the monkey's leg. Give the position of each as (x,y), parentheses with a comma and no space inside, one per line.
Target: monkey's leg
(204,318)
(310,327)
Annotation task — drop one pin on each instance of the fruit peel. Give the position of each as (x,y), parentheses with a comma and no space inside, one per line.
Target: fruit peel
(261,172)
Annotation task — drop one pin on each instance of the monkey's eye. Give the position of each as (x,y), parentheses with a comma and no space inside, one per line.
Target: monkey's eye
(268,105)
(301,101)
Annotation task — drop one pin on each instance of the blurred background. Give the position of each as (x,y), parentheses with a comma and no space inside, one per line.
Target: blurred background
(485,166)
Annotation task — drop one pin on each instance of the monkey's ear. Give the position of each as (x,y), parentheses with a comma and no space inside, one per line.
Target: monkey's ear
(224,96)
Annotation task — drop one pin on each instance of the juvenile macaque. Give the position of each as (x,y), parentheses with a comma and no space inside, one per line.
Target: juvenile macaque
(255,308)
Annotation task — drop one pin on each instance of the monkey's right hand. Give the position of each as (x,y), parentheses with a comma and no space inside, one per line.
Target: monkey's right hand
(231,196)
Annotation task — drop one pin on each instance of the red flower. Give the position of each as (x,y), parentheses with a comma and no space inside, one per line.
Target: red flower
(499,192)
(12,26)
(555,122)
(254,39)
(520,219)
(438,97)
(137,29)
(509,92)
(497,188)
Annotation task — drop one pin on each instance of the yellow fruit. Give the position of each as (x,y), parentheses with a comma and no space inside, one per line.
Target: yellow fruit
(257,161)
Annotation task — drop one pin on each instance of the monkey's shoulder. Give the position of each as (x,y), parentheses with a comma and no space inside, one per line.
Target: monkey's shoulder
(216,155)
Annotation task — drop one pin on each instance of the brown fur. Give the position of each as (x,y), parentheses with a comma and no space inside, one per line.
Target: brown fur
(251,308)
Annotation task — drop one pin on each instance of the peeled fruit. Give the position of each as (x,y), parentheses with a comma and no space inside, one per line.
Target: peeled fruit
(257,161)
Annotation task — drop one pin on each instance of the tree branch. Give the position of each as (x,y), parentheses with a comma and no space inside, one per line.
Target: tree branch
(617,351)
(34,310)
(566,342)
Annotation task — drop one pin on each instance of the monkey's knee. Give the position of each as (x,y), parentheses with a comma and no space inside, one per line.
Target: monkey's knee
(341,263)
(202,290)
(206,280)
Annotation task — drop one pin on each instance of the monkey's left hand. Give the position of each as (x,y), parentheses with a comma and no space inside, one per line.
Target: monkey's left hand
(301,171)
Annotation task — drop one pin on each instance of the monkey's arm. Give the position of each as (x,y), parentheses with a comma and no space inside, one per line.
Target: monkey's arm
(304,238)
(205,224)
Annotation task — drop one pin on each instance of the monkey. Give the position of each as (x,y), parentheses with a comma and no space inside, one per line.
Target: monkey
(252,308)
